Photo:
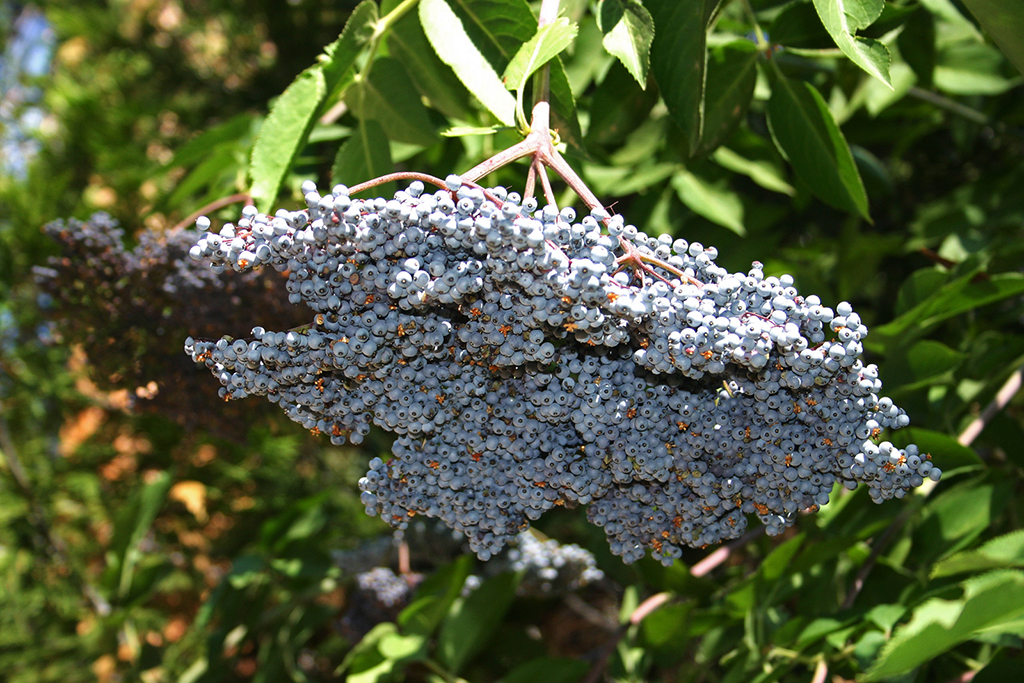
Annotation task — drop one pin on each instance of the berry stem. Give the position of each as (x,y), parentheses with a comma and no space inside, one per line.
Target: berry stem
(401,175)
(531,180)
(214,206)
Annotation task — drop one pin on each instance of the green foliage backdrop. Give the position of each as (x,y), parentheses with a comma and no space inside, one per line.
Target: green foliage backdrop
(871,148)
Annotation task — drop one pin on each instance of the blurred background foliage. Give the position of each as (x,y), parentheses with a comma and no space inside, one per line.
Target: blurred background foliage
(149,532)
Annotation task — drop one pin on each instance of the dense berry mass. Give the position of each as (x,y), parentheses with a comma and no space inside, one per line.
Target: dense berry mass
(127,301)
(528,360)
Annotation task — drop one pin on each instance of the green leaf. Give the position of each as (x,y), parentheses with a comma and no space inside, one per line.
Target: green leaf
(284,134)
(763,173)
(628,33)
(403,649)
(842,19)
(678,59)
(667,626)
(219,162)
(731,75)
(971,69)
(231,132)
(956,518)
(547,669)
(433,78)
(434,597)
(498,28)
(805,132)
(365,155)
(365,657)
(611,123)
(132,525)
(714,201)
(798,26)
(775,565)
(448,37)
(388,96)
(538,51)
(1001,552)
(473,620)
(462,131)
(989,601)
(339,57)
(952,298)
(922,364)
(616,181)
(1005,667)
(1004,22)
(947,453)
(878,97)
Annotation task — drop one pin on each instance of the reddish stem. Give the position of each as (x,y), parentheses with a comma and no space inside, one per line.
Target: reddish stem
(214,206)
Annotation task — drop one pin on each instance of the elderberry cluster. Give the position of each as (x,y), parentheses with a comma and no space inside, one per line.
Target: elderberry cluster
(128,306)
(527,360)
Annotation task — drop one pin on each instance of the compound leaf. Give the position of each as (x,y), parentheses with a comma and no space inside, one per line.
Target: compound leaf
(433,78)
(731,75)
(388,95)
(1004,22)
(1001,552)
(473,620)
(340,56)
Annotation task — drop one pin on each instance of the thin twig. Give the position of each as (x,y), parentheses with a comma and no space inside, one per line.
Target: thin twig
(820,672)
(1003,397)
(214,206)
(531,180)
(722,553)
(404,565)
(402,175)
(549,194)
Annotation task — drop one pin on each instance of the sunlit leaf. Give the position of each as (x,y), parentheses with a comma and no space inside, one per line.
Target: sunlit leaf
(446,34)
(714,201)
(433,78)
(388,96)
(538,51)
(938,625)
(1001,552)
(628,33)
(842,19)
(763,173)
(806,133)
(284,134)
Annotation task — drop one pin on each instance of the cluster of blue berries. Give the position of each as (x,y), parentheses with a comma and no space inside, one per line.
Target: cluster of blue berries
(127,301)
(551,568)
(527,360)
(386,587)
